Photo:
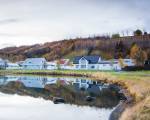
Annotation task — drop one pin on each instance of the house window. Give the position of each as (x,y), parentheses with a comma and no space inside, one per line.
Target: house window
(93,67)
(83,81)
(83,66)
(77,66)
(147,62)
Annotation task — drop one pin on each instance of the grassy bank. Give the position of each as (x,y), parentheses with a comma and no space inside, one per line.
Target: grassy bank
(136,83)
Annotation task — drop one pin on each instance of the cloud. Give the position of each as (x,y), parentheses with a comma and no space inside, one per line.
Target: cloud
(7,34)
(6,45)
(39,21)
(8,21)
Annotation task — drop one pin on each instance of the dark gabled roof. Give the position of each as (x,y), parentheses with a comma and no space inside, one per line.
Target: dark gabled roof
(90,59)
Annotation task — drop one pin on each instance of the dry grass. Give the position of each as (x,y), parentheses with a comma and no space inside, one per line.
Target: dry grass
(139,111)
(138,85)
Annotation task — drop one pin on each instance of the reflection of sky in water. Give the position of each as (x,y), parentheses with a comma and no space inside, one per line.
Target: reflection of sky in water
(14,107)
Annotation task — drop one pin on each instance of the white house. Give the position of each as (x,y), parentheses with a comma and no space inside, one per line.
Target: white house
(123,63)
(34,63)
(129,62)
(3,64)
(86,62)
(11,66)
(105,65)
(51,65)
(65,64)
(109,65)
(96,63)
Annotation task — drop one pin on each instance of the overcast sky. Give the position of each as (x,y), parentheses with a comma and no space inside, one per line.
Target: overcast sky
(24,22)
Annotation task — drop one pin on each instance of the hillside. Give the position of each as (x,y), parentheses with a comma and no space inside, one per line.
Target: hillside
(106,47)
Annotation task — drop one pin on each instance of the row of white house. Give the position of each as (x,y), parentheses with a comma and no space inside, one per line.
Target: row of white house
(79,63)
(96,63)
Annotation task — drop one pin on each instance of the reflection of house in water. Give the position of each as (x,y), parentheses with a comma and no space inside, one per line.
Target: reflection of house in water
(90,86)
(40,82)
(94,89)
(33,82)
(56,80)
(83,83)
(5,79)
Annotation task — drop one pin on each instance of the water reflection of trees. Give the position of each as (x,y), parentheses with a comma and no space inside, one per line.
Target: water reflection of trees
(71,93)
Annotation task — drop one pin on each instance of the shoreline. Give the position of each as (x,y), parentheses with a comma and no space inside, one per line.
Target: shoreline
(95,75)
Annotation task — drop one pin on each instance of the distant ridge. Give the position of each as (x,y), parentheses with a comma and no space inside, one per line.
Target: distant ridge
(106,47)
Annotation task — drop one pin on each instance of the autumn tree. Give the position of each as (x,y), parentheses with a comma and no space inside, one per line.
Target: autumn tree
(120,50)
(137,32)
(121,62)
(138,55)
(58,64)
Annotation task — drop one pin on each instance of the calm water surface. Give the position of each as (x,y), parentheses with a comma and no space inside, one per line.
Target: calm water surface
(31,98)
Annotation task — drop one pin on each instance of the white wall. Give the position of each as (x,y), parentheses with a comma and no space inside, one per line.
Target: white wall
(116,66)
(105,67)
(128,62)
(93,66)
(83,64)
(13,68)
(51,67)
(66,67)
(33,67)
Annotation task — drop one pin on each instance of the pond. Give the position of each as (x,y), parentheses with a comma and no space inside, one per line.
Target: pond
(55,98)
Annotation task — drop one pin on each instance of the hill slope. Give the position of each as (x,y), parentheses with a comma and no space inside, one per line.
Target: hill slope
(106,47)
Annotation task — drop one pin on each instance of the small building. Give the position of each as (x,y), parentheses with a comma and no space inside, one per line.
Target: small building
(34,64)
(13,66)
(95,63)
(105,65)
(86,62)
(3,64)
(62,63)
(65,64)
(51,65)
(128,62)
(109,65)
(20,63)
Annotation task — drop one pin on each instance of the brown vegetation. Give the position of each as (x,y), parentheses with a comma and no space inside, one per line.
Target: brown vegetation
(104,46)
